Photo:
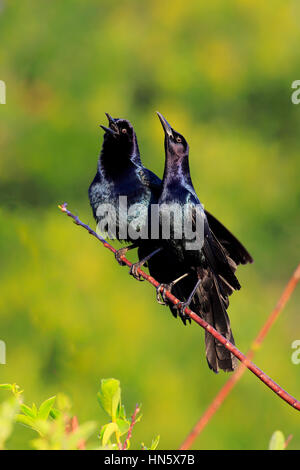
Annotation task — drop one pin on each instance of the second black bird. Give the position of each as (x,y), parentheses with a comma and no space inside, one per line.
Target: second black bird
(207,274)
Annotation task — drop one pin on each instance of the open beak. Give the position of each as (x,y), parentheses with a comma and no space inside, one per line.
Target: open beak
(166,126)
(110,131)
(113,128)
(112,123)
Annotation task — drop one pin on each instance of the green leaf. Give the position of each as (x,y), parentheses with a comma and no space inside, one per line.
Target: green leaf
(277,441)
(121,413)
(38,425)
(27,411)
(26,421)
(123,425)
(102,432)
(107,431)
(109,396)
(55,413)
(6,387)
(45,408)
(155,443)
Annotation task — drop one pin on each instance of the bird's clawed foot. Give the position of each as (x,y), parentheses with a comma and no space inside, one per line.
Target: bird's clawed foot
(181,306)
(161,293)
(118,255)
(134,271)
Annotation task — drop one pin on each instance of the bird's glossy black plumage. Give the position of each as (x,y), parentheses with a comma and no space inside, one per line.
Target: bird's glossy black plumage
(211,269)
(121,173)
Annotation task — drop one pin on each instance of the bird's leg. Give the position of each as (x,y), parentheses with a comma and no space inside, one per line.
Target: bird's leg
(122,251)
(162,288)
(134,267)
(183,305)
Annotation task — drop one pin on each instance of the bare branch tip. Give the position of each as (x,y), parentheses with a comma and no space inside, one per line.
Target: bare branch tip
(63,207)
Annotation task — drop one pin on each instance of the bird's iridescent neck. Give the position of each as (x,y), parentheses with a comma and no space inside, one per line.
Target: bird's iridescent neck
(177,170)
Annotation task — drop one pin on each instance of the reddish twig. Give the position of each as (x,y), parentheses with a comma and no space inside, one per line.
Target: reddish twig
(200,321)
(235,377)
(288,440)
(132,423)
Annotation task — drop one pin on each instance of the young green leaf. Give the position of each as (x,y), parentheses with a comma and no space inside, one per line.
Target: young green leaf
(123,425)
(45,408)
(121,413)
(27,411)
(108,430)
(109,396)
(55,413)
(6,387)
(26,421)
(155,443)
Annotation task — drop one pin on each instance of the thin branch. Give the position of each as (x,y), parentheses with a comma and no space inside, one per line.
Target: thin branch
(235,377)
(288,440)
(132,423)
(200,321)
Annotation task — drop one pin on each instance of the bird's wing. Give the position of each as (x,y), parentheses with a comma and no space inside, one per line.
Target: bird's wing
(232,245)
(219,260)
(221,264)
(152,181)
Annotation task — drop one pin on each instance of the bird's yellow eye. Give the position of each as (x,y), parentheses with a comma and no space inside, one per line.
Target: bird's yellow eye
(124,130)
(178,139)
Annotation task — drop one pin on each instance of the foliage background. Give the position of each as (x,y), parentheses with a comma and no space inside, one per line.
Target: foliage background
(221,72)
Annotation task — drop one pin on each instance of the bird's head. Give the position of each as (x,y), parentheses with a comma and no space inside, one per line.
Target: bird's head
(120,130)
(175,143)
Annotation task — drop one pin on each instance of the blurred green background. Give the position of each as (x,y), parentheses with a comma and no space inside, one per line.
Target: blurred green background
(221,73)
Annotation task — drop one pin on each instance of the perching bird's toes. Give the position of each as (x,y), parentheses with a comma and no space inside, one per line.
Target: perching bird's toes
(160,295)
(134,271)
(118,255)
(181,306)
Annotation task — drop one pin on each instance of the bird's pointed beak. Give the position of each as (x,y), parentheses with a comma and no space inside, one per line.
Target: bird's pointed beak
(112,123)
(109,130)
(166,126)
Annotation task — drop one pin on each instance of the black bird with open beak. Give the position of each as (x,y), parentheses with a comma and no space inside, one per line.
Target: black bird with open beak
(120,173)
(120,139)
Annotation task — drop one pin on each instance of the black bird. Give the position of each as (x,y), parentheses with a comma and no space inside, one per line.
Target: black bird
(121,173)
(207,274)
